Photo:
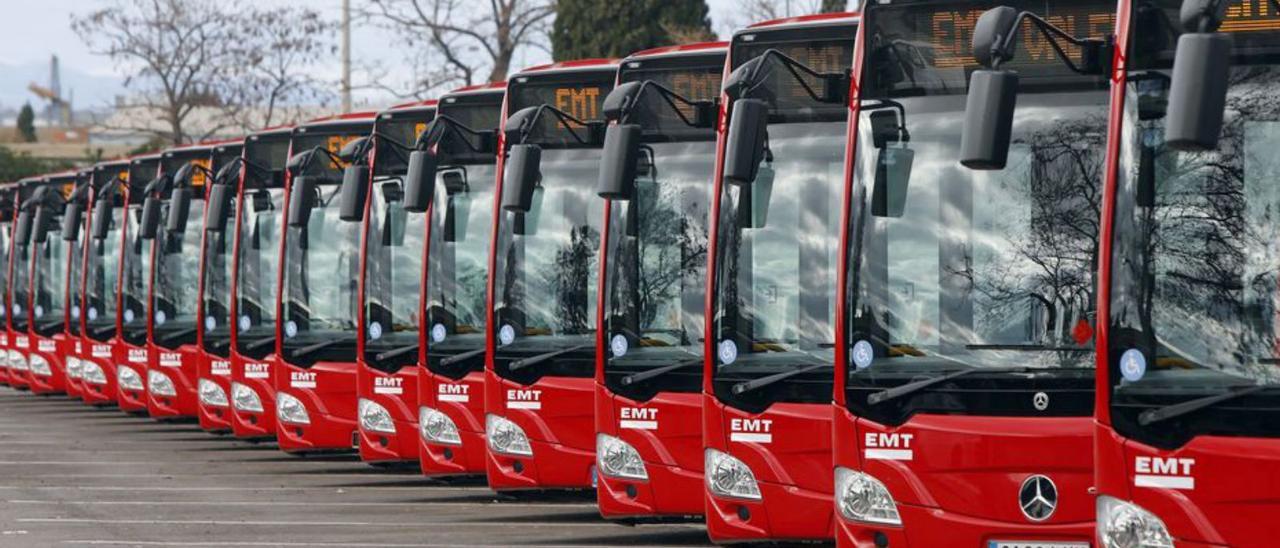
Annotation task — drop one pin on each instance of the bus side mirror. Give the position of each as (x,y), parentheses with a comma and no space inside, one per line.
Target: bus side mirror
(102,218)
(179,210)
(618,165)
(1201,66)
(301,200)
(354,193)
(893,176)
(43,218)
(183,173)
(219,199)
(351,150)
(149,224)
(745,148)
(226,173)
(299,161)
(620,99)
(419,181)
(523,173)
(993,94)
(71,221)
(23,233)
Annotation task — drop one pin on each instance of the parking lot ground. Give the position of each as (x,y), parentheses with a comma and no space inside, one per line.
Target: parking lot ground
(71,475)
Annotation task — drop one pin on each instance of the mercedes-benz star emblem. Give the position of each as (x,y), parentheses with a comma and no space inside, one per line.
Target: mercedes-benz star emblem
(1040,400)
(1038,498)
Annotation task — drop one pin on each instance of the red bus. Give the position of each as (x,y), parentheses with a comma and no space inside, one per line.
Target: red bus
(656,171)
(74,214)
(50,258)
(8,207)
(1188,432)
(541,336)
(454,198)
(128,345)
(20,286)
(237,346)
(388,293)
(771,338)
(173,216)
(965,369)
(103,243)
(313,369)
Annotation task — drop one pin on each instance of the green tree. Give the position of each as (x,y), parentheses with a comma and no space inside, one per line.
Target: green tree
(834,6)
(616,28)
(19,165)
(27,123)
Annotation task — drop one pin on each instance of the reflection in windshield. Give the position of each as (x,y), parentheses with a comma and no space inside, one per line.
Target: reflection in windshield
(177,270)
(458,256)
(4,271)
(547,269)
(21,286)
(104,271)
(394,263)
(658,256)
(777,253)
(137,262)
(51,276)
(1197,268)
(217,283)
(76,268)
(258,264)
(323,269)
(981,266)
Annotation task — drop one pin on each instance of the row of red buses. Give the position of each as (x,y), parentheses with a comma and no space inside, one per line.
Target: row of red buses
(927,274)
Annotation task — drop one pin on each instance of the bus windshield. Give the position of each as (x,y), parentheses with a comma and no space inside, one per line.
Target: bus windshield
(103,275)
(1196,269)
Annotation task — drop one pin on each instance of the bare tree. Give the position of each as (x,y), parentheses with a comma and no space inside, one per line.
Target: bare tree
(746,12)
(276,55)
(175,54)
(472,42)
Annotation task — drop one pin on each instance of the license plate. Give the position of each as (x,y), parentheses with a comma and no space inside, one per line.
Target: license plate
(1036,544)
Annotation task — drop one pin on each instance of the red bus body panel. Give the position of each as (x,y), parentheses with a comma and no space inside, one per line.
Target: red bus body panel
(398,393)
(561,432)
(463,401)
(328,390)
(672,454)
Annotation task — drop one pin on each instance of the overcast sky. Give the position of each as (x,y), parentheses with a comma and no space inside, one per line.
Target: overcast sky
(30,32)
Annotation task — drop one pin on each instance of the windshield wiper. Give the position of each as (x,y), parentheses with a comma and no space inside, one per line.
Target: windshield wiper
(646,375)
(254,345)
(178,334)
(460,357)
(747,386)
(922,384)
(313,348)
(46,325)
(396,352)
(102,330)
(1152,416)
(535,360)
(219,342)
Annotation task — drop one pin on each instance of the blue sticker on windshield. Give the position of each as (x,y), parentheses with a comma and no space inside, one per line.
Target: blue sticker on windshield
(1133,365)
(245,323)
(291,329)
(128,315)
(438,333)
(727,351)
(619,345)
(160,317)
(75,311)
(507,334)
(375,331)
(17,310)
(210,323)
(863,354)
(39,311)
(93,313)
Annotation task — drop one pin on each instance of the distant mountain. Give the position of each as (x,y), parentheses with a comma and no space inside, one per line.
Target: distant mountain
(86,91)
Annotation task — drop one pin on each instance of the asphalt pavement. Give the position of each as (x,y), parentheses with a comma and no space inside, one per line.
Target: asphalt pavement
(72,475)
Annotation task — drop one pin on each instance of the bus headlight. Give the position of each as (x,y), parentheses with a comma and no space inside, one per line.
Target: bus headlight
(40,366)
(437,427)
(92,373)
(17,361)
(73,368)
(160,384)
(212,394)
(1126,525)
(506,437)
(618,459)
(128,378)
(291,409)
(729,477)
(245,399)
(375,418)
(860,497)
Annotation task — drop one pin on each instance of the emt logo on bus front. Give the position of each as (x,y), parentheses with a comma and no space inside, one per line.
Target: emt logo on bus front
(388,385)
(524,399)
(751,430)
(453,392)
(1164,473)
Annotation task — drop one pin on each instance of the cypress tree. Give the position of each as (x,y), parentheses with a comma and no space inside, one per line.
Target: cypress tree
(615,28)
